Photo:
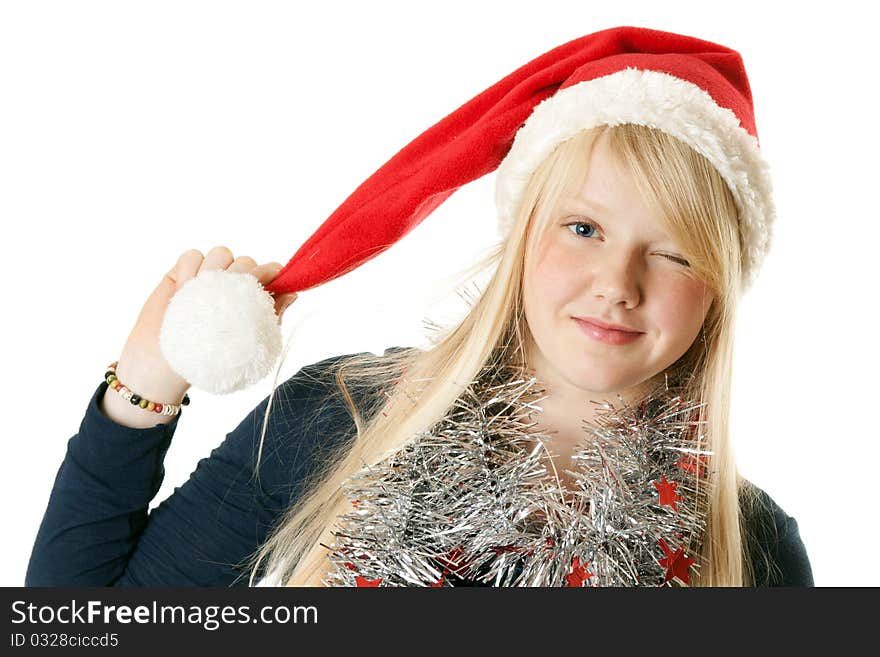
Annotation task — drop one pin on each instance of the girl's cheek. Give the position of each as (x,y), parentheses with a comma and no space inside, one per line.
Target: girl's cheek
(679,304)
(556,269)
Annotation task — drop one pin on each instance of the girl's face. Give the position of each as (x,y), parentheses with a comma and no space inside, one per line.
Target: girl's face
(604,255)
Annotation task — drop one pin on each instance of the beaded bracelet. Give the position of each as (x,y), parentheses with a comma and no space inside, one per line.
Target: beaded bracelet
(136,400)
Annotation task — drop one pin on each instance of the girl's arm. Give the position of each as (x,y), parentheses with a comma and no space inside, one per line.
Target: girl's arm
(777,538)
(791,556)
(96,530)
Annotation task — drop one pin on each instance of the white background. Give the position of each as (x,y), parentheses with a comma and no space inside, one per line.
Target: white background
(130,132)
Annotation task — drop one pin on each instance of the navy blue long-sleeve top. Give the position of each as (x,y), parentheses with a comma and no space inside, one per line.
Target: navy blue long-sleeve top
(97,531)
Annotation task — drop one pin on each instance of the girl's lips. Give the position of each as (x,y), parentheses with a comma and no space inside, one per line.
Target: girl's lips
(608,336)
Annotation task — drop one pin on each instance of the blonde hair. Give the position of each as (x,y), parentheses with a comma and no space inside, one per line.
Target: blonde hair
(700,214)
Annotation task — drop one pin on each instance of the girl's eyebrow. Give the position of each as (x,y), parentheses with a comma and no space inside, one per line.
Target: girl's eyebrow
(576,202)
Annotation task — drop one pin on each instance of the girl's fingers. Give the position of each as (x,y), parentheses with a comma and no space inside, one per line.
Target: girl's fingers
(192,262)
(218,258)
(266,272)
(242,264)
(283,302)
(187,266)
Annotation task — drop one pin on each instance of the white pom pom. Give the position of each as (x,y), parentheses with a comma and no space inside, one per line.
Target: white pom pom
(221,332)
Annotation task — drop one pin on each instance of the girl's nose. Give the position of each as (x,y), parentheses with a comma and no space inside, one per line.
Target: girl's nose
(615,279)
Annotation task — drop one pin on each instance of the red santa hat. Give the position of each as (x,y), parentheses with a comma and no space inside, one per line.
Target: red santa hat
(220,331)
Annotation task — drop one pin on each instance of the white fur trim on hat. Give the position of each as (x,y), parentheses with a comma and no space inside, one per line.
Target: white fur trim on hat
(652,98)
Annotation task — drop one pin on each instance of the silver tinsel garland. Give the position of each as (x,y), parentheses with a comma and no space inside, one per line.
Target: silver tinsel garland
(472,503)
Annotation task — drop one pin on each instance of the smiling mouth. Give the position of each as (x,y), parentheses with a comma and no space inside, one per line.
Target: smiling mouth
(595,321)
(604,335)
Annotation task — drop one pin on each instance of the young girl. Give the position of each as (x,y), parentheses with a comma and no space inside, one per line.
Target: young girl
(635,210)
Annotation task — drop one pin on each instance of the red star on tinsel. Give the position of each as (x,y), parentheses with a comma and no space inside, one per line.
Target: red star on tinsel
(439,582)
(349,551)
(363,581)
(667,493)
(690,463)
(578,574)
(452,562)
(675,563)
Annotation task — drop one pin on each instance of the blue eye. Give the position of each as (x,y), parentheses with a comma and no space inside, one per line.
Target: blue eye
(578,224)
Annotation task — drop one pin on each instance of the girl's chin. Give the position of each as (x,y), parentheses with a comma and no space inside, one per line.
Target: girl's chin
(593,381)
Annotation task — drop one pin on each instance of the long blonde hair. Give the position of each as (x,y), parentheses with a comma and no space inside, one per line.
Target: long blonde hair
(419,386)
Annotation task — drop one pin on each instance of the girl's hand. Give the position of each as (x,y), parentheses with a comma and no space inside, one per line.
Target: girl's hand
(142,367)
